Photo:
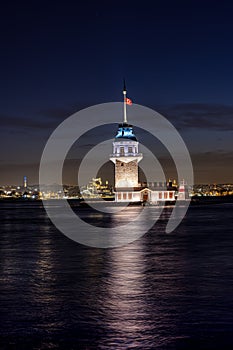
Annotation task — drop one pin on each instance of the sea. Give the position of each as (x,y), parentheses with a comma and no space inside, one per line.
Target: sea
(162,291)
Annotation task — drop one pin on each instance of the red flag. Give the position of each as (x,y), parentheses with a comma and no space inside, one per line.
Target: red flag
(128,101)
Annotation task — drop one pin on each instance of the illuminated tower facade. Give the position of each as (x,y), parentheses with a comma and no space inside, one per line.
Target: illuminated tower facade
(25,182)
(125,154)
(126,157)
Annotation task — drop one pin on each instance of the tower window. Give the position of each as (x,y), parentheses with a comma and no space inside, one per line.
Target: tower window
(130,150)
(122,151)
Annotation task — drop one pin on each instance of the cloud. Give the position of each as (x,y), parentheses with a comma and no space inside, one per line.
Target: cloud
(213,167)
(12,123)
(217,159)
(183,116)
(61,113)
(200,116)
(42,119)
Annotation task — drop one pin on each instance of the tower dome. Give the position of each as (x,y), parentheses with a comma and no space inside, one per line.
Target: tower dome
(125,132)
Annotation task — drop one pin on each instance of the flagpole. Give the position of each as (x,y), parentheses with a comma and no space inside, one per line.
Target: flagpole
(124,94)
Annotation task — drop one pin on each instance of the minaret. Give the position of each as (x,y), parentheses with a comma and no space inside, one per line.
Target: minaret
(125,153)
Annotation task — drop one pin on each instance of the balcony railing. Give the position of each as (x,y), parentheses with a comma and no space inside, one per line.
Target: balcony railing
(125,155)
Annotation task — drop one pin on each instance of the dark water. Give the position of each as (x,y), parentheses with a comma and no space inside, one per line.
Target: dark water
(164,291)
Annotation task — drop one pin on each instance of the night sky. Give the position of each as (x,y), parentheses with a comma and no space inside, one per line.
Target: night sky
(57,58)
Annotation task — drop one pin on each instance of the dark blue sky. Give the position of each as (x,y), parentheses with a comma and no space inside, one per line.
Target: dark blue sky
(59,57)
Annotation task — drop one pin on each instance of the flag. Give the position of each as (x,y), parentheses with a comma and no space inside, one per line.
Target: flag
(128,101)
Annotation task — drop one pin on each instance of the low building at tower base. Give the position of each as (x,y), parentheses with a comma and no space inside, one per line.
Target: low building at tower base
(144,195)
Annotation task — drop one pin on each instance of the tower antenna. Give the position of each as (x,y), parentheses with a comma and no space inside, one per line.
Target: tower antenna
(124,94)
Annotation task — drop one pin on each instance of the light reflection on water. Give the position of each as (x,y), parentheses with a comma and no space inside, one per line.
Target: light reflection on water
(164,291)
(125,291)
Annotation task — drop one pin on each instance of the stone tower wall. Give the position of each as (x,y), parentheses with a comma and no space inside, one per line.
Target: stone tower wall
(126,174)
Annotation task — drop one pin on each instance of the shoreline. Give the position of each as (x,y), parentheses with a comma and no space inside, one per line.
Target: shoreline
(194,201)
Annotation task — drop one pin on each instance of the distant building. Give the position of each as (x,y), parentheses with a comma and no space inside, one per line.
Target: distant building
(25,182)
(96,189)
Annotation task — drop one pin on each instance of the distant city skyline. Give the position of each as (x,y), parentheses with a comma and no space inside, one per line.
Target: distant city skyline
(57,59)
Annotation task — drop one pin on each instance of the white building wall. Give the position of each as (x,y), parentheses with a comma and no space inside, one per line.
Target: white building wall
(153,196)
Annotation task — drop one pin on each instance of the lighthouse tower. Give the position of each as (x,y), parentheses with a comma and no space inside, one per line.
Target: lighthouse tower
(125,156)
